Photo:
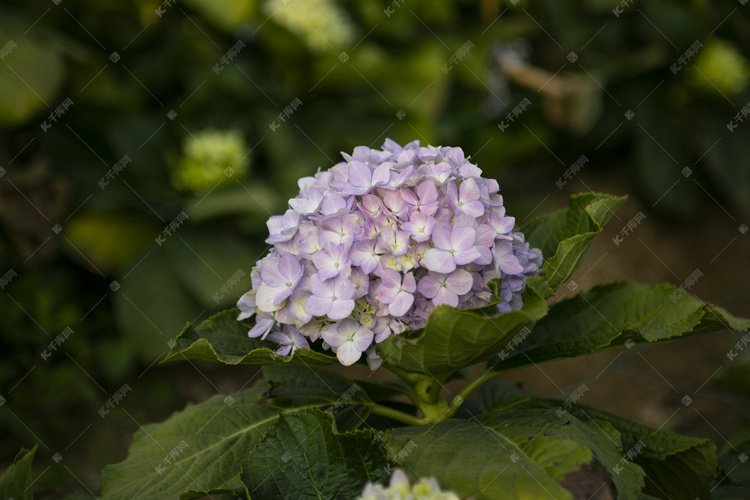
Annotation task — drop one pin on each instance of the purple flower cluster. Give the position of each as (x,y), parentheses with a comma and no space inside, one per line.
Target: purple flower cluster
(371,246)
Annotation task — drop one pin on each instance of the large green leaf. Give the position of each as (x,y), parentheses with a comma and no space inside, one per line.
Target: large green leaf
(150,305)
(201,449)
(454,338)
(16,482)
(675,465)
(32,72)
(223,338)
(565,236)
(736,376)
(513,454)
(303,456)
(734,480)
(617,314)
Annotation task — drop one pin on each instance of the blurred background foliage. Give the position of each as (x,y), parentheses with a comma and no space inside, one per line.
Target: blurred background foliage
(201,119)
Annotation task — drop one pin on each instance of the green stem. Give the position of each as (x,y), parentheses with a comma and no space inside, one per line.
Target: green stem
(469,388)
(397,415)
(429,399)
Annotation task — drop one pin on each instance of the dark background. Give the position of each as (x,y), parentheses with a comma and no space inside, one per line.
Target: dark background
(653,95)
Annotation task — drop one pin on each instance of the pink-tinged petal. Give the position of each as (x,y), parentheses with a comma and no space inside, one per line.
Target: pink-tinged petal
(321,288)
(269,272)
(348,354)
(393,201)
(390,278)
(261,328)
(333,337)
(308,205)
(485,235)
(427,192)
(451,193)
(381,175)
(468,170)
(429,286)
(397,179)
(361,283)
(409,197)
(409,283)
(510,265)
(441,237)
(385,294)
(359,174)
(362,338)
(502,225)
(485,257)
(325,264)
(332,203)
(371,203)
(401,304)
(439,261)
(280,295)
(318,306)
(473,208)
(469,190)
(446,297)
(290,269)
(460,281)
(340,309)
(275,224)
(344,288)
(462,238)
(505,260)
(369,264)
(284,350)
(327,237)
(390,145)
(464,257)
(299,341)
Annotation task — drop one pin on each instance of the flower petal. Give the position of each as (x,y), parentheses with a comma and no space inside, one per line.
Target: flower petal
(439,261)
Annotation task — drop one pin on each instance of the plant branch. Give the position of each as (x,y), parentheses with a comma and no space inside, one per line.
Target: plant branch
(397,415)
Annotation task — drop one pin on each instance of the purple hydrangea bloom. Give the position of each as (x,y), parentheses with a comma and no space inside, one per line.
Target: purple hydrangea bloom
(371,246)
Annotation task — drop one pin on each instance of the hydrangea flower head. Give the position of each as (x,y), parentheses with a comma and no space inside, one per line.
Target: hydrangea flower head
(400,489)
(371,246)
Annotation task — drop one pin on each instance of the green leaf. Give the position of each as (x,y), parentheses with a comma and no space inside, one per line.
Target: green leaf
(210,266)
(734,480)
(227,15)
(512,454)
(565,236)
(303,456)
(253,199)
(455,338)
(200,449)
(32,72)
(16,482)
(150,305)
(736,376)
(223,338)
(675,465)
(616,315)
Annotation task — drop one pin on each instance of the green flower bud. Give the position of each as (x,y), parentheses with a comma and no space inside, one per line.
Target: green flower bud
(211,157)
(321,24)
(719,65)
